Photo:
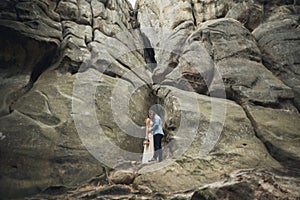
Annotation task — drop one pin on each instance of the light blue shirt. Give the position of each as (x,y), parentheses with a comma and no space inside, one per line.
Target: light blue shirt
(156,127)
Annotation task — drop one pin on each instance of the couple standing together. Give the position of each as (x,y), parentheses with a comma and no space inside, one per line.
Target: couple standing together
(154,126)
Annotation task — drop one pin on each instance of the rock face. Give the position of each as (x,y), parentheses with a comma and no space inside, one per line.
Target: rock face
(77,78)
(241,184)
(278,40)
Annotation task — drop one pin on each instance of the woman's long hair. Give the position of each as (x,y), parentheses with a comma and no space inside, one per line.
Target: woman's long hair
(147,121)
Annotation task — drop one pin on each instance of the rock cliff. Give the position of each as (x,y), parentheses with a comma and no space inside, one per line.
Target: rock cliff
(77,78)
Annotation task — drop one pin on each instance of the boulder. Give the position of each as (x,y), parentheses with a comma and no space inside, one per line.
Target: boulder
(207,138)
(250,14)
(30,37)
(278,39)
(238,60)
(279,129)
(209,10)
(46,43)
(248,184)
(42,147)
(122,177)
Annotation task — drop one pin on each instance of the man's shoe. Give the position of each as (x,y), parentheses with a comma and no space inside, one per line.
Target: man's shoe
(152,159)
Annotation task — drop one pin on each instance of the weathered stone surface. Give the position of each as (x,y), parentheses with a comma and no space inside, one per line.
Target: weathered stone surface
(76,38)
(249,184)
(33,19)
(250,14)
(68,9)
(51,127)
(42,147)
(30,36)
(217,147)
(208,10)
(112,17)
(6,88)
(117,190)
(166,26)
(238,60)
(112,96)
(163,16)
(176,178)
(182,61)
(122,177)
(279,130)
(177,57)
(279,38)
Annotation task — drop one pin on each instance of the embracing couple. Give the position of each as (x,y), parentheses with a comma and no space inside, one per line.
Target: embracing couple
(154,127)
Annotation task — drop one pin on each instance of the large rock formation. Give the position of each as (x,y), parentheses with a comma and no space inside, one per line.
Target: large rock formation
(78,77)
(45,44)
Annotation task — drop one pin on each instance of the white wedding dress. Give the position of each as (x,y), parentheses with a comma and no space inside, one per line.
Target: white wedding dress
(148,149)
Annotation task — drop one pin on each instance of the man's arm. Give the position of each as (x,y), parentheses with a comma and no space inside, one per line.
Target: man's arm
(155,124)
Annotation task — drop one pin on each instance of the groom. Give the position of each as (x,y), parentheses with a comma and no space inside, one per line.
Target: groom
(158,134)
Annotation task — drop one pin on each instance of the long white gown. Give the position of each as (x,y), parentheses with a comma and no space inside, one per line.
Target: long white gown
(148,150)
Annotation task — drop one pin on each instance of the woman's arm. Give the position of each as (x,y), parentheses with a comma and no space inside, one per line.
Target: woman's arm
(147,128)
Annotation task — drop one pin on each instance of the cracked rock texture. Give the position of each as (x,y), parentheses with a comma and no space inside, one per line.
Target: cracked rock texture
(77,78)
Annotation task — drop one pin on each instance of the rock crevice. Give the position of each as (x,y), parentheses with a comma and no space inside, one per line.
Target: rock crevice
(78,75)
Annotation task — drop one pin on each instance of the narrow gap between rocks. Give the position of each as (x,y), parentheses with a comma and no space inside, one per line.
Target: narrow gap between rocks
(141,101)
(149,53)
(193,13)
